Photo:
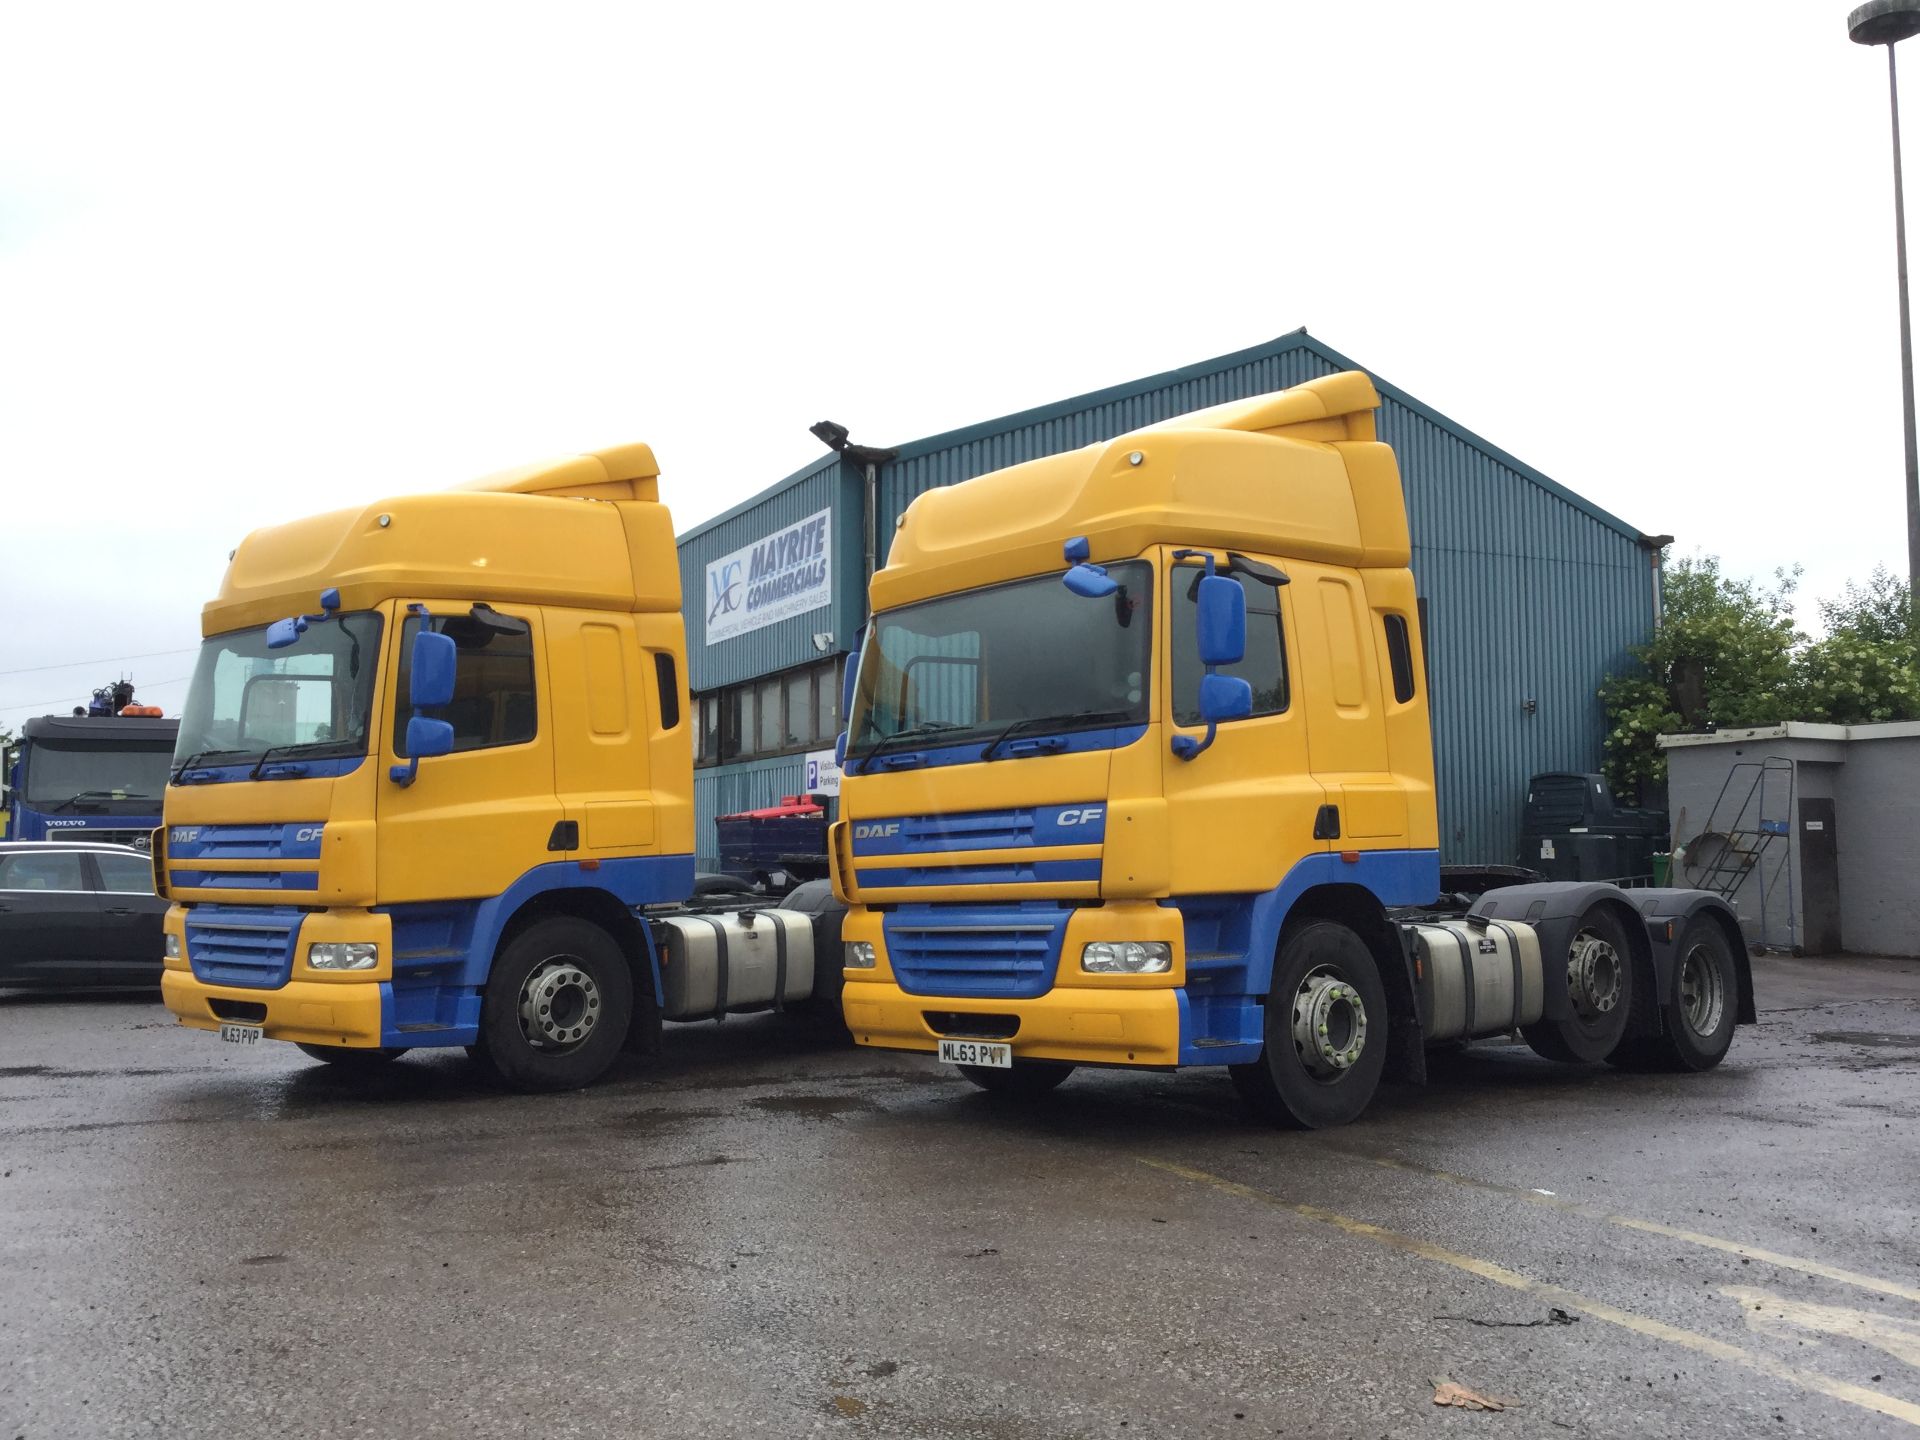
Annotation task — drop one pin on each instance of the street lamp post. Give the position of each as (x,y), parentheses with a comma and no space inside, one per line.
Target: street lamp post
(1888,22)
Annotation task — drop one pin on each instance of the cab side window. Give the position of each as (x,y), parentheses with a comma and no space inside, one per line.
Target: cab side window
(1265,664)
(493,691)
(52,872)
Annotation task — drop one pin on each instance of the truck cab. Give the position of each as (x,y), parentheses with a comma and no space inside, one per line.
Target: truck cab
(1139,773)
(90,776)
(432,767)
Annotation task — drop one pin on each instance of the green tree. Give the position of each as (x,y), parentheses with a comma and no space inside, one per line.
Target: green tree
(1723,658)
(1867,668)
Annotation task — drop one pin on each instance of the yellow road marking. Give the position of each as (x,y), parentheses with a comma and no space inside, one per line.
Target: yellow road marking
(1770,1313)
(1650,1227)
(1827,1385)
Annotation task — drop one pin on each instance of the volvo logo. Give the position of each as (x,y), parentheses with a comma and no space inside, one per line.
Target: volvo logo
(64,824)
(878,830)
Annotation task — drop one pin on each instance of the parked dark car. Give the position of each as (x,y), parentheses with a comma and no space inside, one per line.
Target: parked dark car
(76,914)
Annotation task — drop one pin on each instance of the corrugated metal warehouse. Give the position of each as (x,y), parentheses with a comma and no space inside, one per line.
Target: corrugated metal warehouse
(1529,594)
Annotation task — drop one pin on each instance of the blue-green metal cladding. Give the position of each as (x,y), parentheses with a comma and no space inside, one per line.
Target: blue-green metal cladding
(826,484)
(1532,594)
(745,785)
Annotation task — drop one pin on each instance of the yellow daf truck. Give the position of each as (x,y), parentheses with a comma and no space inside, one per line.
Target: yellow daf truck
(1138,773)
(434,787)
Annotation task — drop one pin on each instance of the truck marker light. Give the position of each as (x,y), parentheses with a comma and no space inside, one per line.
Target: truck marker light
(589,864)
(1351,857)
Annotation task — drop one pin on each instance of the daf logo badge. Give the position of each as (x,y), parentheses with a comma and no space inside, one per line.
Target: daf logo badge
(877,830)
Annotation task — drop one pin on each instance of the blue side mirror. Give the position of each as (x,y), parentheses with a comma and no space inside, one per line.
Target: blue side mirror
(427,737)
(1224,697)
(282,633)
(1090,581)
(430,679)
(1222,621)
(840,750)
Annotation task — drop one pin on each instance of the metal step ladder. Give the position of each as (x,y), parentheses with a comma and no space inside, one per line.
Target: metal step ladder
(1753,811)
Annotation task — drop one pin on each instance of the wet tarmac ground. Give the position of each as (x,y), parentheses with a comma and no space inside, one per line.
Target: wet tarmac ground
(763,1233)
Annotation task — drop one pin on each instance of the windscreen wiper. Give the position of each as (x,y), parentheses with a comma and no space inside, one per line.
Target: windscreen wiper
(1034,722)
(311,749)
(195,758)
(95,795)
(925,727)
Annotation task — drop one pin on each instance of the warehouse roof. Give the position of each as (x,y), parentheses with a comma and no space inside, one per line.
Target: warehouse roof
(1292,340)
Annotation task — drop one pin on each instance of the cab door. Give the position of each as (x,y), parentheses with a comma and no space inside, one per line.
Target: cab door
(1242,812)
(1345,711)
(473,821)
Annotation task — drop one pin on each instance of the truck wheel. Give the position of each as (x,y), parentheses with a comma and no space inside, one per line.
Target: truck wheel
(557,1005)
(1326,1032)
(351,1060)
(1600,986)
(1027,1078)
(1698,1019)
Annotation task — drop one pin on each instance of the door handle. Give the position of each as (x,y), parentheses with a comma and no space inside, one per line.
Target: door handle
(1326,825)
(118,910)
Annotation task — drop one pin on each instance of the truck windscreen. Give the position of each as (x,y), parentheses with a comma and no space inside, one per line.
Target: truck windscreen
(970,665)
(313,697)
(55,773)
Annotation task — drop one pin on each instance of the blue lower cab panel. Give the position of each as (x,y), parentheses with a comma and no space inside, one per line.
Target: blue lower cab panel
(1008,952)
(443,950)
(434,999)
(1231,942)
(241,945)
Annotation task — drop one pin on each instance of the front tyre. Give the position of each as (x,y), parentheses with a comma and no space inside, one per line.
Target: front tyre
(1326,1032)
(1027,1078)
(557,1006)
(350,1060)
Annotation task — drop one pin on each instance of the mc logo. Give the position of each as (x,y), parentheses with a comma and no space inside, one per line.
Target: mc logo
(727,586)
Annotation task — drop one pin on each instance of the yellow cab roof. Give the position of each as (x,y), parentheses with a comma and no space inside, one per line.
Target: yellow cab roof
(1297,472)
(586,531)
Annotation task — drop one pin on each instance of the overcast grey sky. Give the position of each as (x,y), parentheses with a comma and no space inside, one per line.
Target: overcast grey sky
(258,261)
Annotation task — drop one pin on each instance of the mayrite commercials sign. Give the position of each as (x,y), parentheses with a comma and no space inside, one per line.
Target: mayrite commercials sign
(788,573)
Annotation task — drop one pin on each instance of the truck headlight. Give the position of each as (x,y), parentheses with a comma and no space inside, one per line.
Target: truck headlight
(172,946)
(348,955)
(860,955)
(1126,957)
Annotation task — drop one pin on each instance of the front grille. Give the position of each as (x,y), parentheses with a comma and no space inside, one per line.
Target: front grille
(1008,951)
(234,945)
(997,872)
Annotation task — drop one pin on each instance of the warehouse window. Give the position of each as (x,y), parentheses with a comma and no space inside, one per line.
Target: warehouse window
(787,714)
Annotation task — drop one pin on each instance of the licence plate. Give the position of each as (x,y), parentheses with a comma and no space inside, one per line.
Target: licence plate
(977,1052)
(242,1034)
